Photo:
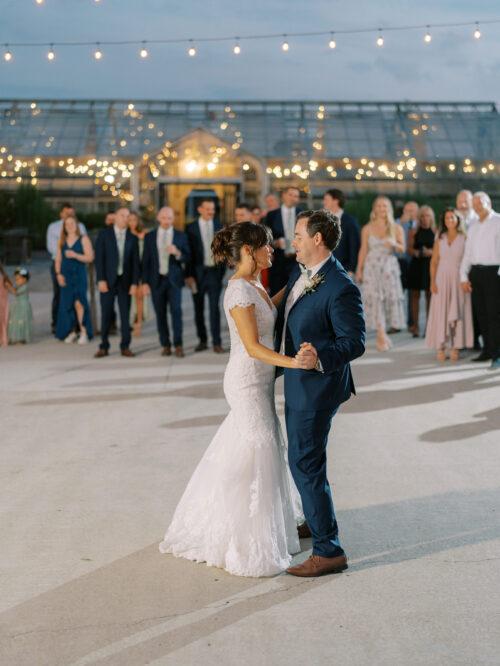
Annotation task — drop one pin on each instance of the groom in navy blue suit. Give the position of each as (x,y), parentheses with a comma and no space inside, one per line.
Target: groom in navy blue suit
(321,318)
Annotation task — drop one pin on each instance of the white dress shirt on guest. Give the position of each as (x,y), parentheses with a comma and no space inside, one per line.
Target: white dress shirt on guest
(482,247)
(164,238)
(120,235)
(54,234)
(207,235)
(288,216)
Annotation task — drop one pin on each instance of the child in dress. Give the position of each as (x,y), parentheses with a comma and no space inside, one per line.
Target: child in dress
(5,287)
(21,316)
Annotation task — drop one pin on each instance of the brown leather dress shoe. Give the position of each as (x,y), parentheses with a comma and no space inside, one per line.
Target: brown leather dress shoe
(316,565)
(303,531)
(179,352)
(166,351)
(218,349)
(101,353)
(127,353)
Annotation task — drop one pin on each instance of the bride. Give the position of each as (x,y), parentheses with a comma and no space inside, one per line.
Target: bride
(240,509)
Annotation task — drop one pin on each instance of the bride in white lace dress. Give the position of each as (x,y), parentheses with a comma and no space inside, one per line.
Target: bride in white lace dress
(240,509)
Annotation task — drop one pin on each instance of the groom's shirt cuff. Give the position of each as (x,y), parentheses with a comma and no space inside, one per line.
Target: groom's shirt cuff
(318,366)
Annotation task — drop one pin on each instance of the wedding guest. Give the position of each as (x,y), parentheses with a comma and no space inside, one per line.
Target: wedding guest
(73,254)
(20,328)
(109,220)
(118,272)
(378,271)
(350,240)
(449,326)
(408,222)
(257,214)
(5,287)
(52,242)
(281,221)
(464,209)
(271,202)
(468,216)
(166,255)
(243,213)
(420,247)
(139,302)
(479,274)
(204,276)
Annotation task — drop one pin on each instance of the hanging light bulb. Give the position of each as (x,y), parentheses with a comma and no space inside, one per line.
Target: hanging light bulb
(143,52)
(332,43)
(237,47)
(285,46)
(51,53)
(191,50)
(380,39)
(39,2)
(7,56)
(477,32)
(98,52)
(428,36)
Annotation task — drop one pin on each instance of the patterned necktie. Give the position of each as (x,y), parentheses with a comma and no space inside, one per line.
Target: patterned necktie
(164,256)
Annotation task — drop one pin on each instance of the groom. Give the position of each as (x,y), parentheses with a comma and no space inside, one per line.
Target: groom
(322,306)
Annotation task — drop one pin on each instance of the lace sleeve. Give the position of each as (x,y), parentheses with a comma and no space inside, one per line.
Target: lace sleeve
(239,294)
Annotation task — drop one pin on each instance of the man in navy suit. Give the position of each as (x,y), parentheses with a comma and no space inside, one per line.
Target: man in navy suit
(166,254)
(350,241)
(118,272)
(204,276)
(281,221)
(320,315)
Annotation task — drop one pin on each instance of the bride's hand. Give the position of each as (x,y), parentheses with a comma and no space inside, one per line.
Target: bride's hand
(307,356)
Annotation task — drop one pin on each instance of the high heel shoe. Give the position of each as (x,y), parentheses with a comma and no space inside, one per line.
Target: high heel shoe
(441,356)
(383,345)
(454,355)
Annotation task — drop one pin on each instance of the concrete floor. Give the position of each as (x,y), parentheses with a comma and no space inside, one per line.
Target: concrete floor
(95,455)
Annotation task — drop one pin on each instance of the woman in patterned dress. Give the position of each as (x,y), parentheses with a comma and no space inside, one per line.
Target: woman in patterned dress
(379,273)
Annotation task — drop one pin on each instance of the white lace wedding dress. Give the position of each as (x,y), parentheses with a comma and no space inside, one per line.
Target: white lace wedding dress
(240,508)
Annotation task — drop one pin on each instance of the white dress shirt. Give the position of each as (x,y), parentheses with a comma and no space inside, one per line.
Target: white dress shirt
(288,216)
(207,235)
(164,238)
(296,292)
(54,234)
(482,247)
(120,235)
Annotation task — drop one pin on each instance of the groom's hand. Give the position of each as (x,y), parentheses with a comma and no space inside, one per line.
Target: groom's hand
(307,357)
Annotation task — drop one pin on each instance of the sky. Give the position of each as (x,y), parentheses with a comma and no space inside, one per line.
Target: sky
(453,67)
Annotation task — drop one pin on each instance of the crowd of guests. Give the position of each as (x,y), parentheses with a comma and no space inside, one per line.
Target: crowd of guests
(452,266)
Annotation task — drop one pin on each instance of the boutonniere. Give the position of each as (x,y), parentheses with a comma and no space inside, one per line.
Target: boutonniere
(312,283)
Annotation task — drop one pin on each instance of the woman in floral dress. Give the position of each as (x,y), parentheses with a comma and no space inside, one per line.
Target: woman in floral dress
(379,273)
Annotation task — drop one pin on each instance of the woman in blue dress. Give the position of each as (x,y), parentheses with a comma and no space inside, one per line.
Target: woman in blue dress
(74,253)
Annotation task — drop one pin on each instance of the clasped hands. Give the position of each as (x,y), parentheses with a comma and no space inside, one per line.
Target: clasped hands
(307,357)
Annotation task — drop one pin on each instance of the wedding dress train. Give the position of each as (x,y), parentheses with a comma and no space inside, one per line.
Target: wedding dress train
(240,508)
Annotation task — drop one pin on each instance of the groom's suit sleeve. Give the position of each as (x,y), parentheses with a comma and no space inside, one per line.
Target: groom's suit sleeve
(346,316)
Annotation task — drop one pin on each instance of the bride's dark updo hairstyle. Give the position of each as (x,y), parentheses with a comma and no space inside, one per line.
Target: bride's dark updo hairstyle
(227,243)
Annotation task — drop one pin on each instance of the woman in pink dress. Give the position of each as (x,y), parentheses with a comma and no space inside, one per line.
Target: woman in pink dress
(5,283)
(450,314)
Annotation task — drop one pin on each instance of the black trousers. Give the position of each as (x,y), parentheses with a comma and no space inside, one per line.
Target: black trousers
(209,285)
(119,291)
(167,294)
(56,294)
(485,283)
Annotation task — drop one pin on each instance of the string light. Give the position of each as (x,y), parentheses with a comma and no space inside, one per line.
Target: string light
(51,53)
(332,43)
(380,38)
(428,36)
(237,47)
(39,2)
(191,49)
(98,52)
(477,32)
(285,46)
(7,56)
(143,52)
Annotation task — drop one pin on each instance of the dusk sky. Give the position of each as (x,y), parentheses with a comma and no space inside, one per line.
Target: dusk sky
(454,66)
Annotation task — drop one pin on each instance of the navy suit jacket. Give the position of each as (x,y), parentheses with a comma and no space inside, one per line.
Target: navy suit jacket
(196,265)
(106,258)
(348,249)
(151,260)
(331,319)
